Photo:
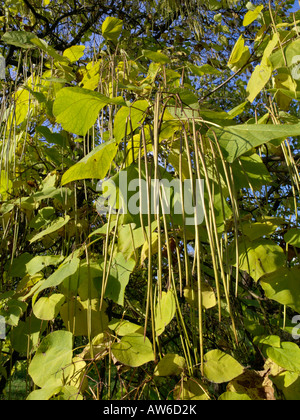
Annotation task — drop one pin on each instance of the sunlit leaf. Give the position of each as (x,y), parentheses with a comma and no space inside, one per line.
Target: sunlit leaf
(156,56)
(133,350)
(52,357)
(239,55)
(164,311)
(170,365)
(47,308)
(19,38)
(83,318)
(239,139)
(53,227)
(64,271)
(191,389)
(128,119)
(252,15)
(220,367)
(77,109)
(74,53)
(112,28)
(118,278)
(39,263)
(94,165)
(125,327)
(259,257)
(258,80)
(287,356)
(283,286)
(234,396)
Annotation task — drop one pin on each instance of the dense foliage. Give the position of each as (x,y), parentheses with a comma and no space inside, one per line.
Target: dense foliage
(98,305)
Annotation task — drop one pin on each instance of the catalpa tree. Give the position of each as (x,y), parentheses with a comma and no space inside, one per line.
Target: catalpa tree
(149,193)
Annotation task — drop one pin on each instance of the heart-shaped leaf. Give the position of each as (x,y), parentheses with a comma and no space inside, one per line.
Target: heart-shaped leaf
(47,308)
(287,356)
(112,28)
(220,367)
(283,286)
(133,350)
(77,109)
(53,355)
(170,365)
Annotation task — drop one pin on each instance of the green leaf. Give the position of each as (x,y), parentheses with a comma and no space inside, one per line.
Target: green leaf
(95,165)
(5,185)
(47,308)
(153,247)
(87,282)
(283,286)
(83,318)
(289,384)
(237,140)
(156,56)
(53,227)
(42,44)
(39,263)
(170,365)
(74,53)
(190,390)
(52,357)
(119,278)
(131,239)
(262,72)
(18,268)
(64,271)
(112,28)
(52,138)
(66,392)
(258,80)
(234,396)
(208,296)
(287,356)
(164,311)
(124,327)
(252,15)
(19,38)
(267,340)
(220,367)
(259,257)
(128,119)
(239,55)
(133,350)
(257,230)
(12,311)
(202,70)
(254,168)
(289,55)
(44,394)
(32,329)
(77,109)
(292,237)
